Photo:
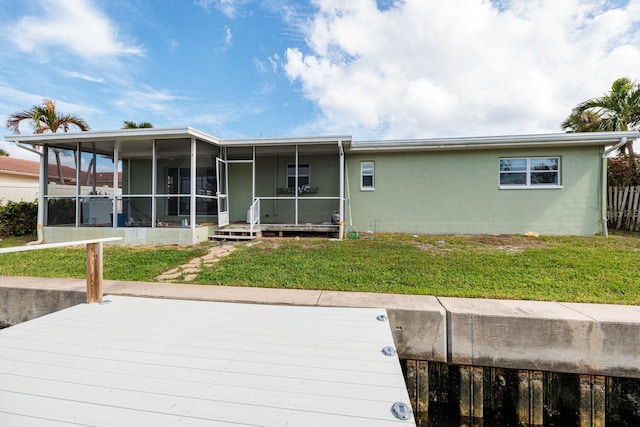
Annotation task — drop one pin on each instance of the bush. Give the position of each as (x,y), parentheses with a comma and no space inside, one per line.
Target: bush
(18,218)
(623,171)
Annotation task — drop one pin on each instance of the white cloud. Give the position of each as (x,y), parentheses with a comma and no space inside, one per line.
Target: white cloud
(74,25)
(272,66)
(82,76)
(425,68)
(147,99)
(228,36)
(10,97)
(274,60)
(227,7)
(260,66)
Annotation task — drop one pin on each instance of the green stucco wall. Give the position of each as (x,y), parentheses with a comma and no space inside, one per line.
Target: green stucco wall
(271,174)
(458,192)
(240,188)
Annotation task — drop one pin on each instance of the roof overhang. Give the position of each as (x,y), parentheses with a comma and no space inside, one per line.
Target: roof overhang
(435,144)
(112,135)
(496,142)
(306,140)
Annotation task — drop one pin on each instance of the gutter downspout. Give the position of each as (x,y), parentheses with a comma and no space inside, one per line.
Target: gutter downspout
(341,221)
(603,167)
(40,220)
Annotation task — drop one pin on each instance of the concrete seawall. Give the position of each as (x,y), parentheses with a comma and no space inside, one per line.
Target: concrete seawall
(591,339)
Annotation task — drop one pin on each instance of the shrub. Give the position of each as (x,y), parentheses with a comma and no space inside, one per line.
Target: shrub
(18,218)
(623,171)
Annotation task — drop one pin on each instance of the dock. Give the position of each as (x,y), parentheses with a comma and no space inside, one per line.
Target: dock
(165,362)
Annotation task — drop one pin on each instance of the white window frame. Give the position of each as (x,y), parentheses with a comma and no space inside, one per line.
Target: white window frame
(528,171)
(372,187)
(297,170)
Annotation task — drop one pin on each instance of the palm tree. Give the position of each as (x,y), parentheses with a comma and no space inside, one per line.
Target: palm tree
(44,118)
(3,152)
(585,121)
(127,124)
(618,110)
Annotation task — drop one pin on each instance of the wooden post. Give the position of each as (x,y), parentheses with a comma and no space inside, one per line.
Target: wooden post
(417,380)
(94,272)
(411,378)
(537,398)
(592,400)
(422,405)
(599,400)
(471,395)
(530,405)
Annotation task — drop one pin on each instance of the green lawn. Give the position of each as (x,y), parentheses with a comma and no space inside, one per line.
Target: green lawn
(120,263)
(582,269)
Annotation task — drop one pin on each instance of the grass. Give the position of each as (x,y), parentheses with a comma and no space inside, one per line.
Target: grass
(120,263)
(582,269)
(579,269)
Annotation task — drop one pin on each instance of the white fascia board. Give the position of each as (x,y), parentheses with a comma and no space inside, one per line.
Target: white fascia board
(307,140)
(113,135)
(493,142)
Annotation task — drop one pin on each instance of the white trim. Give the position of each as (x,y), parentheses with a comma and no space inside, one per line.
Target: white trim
(530,187)
(459,143)
(298,174)
(306,140)
(493,142)
(112,135)
(528,171)
(373,176)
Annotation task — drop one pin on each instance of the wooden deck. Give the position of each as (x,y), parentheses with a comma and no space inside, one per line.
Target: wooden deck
(159,362)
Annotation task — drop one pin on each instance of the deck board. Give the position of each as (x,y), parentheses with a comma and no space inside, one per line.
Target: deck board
(141,361)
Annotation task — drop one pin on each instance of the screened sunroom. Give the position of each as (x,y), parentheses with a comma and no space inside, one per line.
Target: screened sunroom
(181,186)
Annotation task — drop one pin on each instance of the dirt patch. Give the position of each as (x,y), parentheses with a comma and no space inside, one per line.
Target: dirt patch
(429,247)
(510,244)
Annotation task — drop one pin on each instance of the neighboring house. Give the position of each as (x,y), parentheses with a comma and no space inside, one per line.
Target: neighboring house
(179,185)
(18,180)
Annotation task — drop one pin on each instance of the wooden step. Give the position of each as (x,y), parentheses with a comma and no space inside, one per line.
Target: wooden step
(234,234)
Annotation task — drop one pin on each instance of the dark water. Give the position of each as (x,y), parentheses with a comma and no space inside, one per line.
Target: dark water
(561,397)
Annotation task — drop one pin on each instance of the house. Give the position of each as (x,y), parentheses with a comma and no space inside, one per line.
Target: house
(18,179)
(182,186)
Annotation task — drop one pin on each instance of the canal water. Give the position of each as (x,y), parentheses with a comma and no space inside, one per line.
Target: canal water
(550,399)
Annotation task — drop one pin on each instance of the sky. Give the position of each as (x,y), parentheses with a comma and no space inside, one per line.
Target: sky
(373,69)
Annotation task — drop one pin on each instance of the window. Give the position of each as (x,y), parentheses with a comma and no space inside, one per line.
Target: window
(530,172)
(366,176)
(303,175)
(179,183)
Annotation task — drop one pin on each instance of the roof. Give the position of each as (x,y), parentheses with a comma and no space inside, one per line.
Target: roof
(19,166)
(24,167)
(209,364)
(492,142)
(112,135)
(331,139)
(454,143)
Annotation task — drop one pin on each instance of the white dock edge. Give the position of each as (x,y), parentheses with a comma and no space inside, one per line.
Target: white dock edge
(163,362)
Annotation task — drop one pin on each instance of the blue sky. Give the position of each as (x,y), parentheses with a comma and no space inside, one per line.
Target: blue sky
(372,69)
